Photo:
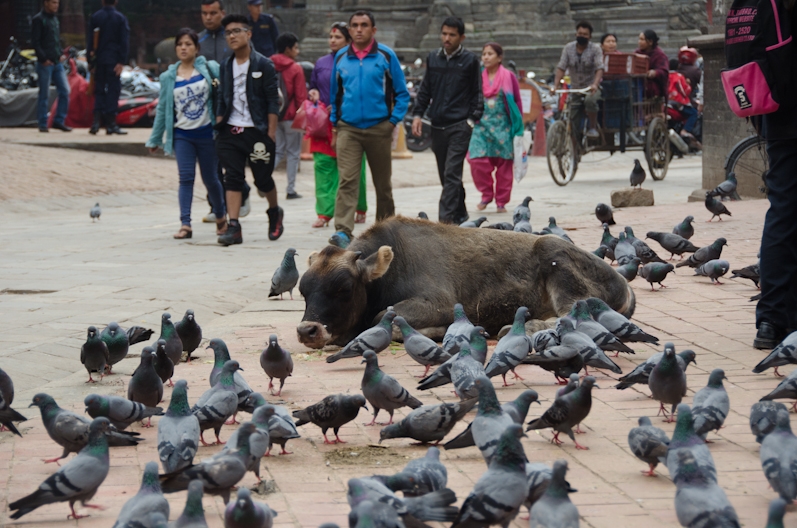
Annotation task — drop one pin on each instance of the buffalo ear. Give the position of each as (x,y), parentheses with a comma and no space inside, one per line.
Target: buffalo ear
(377,264)
(312,258)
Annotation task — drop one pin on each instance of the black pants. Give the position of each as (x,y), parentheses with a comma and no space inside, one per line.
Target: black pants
(107,87)
(778,304)
(235,150)
(450,145)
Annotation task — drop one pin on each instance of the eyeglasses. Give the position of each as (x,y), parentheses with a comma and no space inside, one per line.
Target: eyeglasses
(235,31)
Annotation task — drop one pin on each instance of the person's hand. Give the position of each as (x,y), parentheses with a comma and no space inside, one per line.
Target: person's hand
(218,119)
(334,140)
(700,108)
(117,70)
(651,74)
(313,96)
(552,88)
(417,126)
(48,63)
(152,150)
(272,134)
(593,87)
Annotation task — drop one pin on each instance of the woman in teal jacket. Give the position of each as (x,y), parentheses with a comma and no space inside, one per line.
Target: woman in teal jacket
(185,117)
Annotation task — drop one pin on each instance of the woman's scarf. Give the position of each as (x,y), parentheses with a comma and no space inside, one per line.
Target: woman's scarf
(501,82)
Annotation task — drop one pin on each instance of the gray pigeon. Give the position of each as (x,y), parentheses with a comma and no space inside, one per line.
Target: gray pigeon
(435,506)
(522,211)
(149,499)
(280,426)
(193,515)
(572,384)
(714,269)
(604,214)
(78,480)
(638,175)
(675,244)
(554,509)
(784,353)
(649,444)
(178,432)
(643,251)
(145,386)
(221,355)
(419,347)
(704,254)
(727,189)
(376,338)
(566,412)
(174,345)
(777,509)
(428,423)
(763,417)
(7,414)
(667,382)
(683,439)
(423,216)
(465,367)
(458,331)
(95,212)
(511,349)
(333,412)
(641,372)
(162,363)
(217,403)
(617,323)
(286,276)
(624,251)
(711,405)
(474,223)
(475,346)
(501,226)
(190,333)
(383,391)
(560,359)
(656,272)
(246,513)
(630,269)
(259,444)
(590,353)
(699,501)
(276,362)
(751,272)
(554,229)
(779,457)
(428,472)
(370,514)
(685,228)
(609,240)
(116,340)
(715,207)
(544,339)
(94,354)
(596,331)
(120,411)
(603,252)
(538,478)
(524,226)
(501,490)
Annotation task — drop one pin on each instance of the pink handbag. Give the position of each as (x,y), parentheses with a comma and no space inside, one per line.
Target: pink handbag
(747,91)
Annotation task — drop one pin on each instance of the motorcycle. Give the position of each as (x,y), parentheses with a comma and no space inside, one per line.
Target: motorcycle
(18,71)
(675,124)
(138,100)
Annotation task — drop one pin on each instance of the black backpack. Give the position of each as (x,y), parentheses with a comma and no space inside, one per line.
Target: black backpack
(284,99)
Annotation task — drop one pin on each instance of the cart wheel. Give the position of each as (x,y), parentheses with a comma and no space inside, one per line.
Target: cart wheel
(561,154)
(657,148)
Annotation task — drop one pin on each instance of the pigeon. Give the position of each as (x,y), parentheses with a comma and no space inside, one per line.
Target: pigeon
(684,439)
(675,244)
(699,501)
(524,226)
(604,214)
(458,331)
(554,509)
(556,230)
(519,407)
(163,363)
(685,228)
(596,331)
(667,382)
(779,457)
(603,252)
(116,341)
(713,269)
(71,431)
(465,368)
(423,216)
(475,346)
(428,423)
(174,345)
(138,334)
(777,509)
(279,424)
(560,359)
(217,403)
(276,362)
(704,254)
(751,272)
(727,189)
(246,513)
(592,355)
(522,211)
(787,388)
(624,251)
(78,480)
(511,349)
(715,207)
(784,353)
(383,391)
(435,506)
(333,412)
(630,269)
(638,175)
(607,239)
(286,276)
(149,499)
(502,226)
(544,339)
(259,443)
(566,412)
(572,384)
(763,417)
(641,372)
(369,514)
(501,490)
(94,354)
(617,323)
(7,414)
(656,272)
(419,347)
(376,338)
(649,444)
(95,212)
(643,251)
(119,411)
(428,472)
(145,385)
(190,333)
(474,223)
(221,356)
(193,515)
(178,431)
(710,405)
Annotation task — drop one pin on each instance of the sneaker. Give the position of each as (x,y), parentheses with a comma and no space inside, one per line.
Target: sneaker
(209,218)
(768,336)
(340,239)
(293,196)
(232,236)
(592,133)
(275,227)
(245,208)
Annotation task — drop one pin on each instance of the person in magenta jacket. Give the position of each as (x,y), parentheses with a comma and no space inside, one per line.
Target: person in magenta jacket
(659,65)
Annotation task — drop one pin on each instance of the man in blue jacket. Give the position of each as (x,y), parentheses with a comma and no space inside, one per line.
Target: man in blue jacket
(369,98)
(109,58)
(264,29)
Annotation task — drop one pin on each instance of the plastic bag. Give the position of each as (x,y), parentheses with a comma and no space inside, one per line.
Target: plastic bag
(521,146)
(316,123)
(300,117)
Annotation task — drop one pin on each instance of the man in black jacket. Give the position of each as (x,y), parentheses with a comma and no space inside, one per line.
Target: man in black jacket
(46,40)
(453,85)
(109,59)
(246,118)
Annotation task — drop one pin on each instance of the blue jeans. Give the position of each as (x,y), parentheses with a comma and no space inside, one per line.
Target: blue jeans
(690,115)
(188,151)
(54,72)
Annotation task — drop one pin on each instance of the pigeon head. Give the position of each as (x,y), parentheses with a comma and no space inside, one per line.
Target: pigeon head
(777,509)
(731,176)
(565,325)
(231,366)
(551,221)
(189,315)
(161,347)
(272,340)
(157,520)
(526,201)
(423,216)
(396,430)
(602,209)
(255,400)
(99,426)
(42,401)
(688,356)
(433,453)
(509,451)
(684,429)
(355,401)
(716,377)
(146,355)
(643,421)
(782,421)
(220,352)
(263,414)
(193,503)
(166,317)
(526,398)
(150,481)
(580,310)
(605,227)
(621,236)
(717,244)
(488,402)
(113,328)
(588,382)
(290,252)
(178,404)
(558,487)
(521,315)
(387,319)
(92,332)
(96,405)
(402,325)
(689,219)
(369,358)
(597,306)
(243,502)
(669,347)
(246,429)
(628,231)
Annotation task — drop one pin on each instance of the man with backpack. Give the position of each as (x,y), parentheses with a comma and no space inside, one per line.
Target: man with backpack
(290,77)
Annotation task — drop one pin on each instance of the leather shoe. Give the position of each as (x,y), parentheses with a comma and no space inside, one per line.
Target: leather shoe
(768,336)
(44,129)
(62,126)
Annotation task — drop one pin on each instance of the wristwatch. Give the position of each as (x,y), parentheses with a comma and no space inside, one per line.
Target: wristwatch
(471,123)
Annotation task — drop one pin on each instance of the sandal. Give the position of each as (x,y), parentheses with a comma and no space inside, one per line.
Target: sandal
(359,218)
(321,222)
(221,226)
(500,209)
(481,206)
(184,232)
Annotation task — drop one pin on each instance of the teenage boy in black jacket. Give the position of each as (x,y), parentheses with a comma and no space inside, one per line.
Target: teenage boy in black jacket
(453,85)
(246,118)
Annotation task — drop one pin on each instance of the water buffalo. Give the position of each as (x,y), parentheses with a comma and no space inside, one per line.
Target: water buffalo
(422,269)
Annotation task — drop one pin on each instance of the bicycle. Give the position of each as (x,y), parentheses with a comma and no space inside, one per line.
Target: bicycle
(748,159)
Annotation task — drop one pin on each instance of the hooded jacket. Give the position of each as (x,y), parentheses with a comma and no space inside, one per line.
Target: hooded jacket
(293,77)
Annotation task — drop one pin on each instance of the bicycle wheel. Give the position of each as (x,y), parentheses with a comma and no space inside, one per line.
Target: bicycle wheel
(749,159)
(657,149)
(561,154)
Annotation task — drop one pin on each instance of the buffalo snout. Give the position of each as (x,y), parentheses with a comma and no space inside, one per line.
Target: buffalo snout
(312,334)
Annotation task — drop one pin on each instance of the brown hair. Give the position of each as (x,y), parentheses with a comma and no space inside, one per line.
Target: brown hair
(496,48)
